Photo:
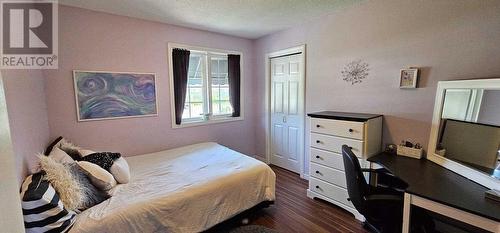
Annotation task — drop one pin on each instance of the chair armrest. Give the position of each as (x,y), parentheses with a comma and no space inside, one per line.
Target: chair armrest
(377,171)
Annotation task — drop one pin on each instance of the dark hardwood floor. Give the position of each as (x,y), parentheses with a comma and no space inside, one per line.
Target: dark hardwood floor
(293,211)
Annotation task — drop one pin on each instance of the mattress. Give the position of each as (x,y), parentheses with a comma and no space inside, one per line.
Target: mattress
(187,189)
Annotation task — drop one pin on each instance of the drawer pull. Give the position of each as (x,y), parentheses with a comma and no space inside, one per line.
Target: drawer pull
(317,186)
(351,130)
(317,172)
(317,156)
(318,126)
(318,141)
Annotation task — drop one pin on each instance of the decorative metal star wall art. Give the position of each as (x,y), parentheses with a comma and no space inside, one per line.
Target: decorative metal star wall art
(355,71)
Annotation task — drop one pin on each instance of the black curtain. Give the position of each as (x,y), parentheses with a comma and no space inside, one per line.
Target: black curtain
(180,65)
(233,73)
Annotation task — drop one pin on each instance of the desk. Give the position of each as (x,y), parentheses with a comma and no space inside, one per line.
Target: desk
(440,190)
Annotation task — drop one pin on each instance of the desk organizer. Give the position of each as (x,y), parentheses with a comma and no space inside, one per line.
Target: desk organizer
(410,152)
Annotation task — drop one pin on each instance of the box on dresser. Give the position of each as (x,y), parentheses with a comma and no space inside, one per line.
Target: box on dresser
(329,131)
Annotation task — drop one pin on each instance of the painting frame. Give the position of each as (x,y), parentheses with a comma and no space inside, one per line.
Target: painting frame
(78,107)
(408,78)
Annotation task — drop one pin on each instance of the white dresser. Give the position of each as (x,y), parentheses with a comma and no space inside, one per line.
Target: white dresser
(329,131)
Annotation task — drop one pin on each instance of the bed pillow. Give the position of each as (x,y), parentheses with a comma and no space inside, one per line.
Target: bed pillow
(92,195)
(71,149)
(99,177)
(103,159)
(43,211)
(53,144)
(60,156)
(84,152)
(63,182)
(120,170)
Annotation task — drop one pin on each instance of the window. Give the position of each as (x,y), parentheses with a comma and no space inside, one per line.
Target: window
(219,86)
(207,92)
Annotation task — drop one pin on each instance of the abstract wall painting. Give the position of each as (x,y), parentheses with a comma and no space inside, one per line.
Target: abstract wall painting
(111,95)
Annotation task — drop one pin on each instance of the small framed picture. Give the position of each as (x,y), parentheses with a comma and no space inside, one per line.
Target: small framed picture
(408,78)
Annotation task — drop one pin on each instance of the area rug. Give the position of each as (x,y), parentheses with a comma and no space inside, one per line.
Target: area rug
(252,229)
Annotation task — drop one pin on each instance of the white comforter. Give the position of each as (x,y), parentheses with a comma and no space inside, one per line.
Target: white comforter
(188,189)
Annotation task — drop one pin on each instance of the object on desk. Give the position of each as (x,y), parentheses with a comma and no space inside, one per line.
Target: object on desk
(391,148)
(493,194)
(410,152)
(406,143)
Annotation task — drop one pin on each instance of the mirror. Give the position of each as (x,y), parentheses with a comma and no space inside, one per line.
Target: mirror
(469,129)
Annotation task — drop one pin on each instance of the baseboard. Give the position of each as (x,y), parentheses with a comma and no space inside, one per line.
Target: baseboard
(261,158)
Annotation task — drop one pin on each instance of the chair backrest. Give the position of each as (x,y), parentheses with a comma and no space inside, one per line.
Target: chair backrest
(356,183)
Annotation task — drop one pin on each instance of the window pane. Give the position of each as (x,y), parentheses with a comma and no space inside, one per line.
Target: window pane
(194,62)
(223,66)
(195,81)
(219,82)
(185,113)
(215,108)
(196,109)
(196,94)
(215,94)
(226,107)
(215,67)
(224,93)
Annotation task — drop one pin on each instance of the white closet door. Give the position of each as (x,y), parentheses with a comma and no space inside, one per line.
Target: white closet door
(287,109)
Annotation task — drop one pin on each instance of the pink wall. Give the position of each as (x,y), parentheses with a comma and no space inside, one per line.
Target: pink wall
(447,39)
(27,110)
(96,41)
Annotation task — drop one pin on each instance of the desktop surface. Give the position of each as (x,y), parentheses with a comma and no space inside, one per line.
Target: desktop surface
(436,183)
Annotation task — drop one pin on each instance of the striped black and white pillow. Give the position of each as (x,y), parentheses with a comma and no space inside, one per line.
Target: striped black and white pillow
(42,209)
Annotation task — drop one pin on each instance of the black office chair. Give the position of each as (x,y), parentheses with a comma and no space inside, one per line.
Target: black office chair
(381,206)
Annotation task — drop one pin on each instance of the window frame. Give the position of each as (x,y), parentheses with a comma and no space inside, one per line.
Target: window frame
(212,119)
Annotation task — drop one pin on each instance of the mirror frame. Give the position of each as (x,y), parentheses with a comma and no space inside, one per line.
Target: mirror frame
(470,173)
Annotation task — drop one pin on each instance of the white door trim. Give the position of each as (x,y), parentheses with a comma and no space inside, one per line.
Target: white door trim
(298,49)
(9,193)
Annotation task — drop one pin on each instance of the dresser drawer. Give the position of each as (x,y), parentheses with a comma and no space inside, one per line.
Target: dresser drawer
(331,175)
(327,158)
(347,129)
(331,191)
(334,144)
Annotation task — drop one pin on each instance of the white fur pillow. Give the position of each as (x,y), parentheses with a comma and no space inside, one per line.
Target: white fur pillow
(99,177)
(63,182)
(70,148)
(120,170)
(60,156)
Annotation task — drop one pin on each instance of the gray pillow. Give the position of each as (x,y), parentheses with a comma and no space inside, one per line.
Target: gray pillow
(92,195)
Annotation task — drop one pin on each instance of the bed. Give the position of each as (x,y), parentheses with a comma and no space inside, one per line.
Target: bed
(187,189)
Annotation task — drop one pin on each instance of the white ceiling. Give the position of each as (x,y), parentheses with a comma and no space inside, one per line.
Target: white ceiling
(244,18)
